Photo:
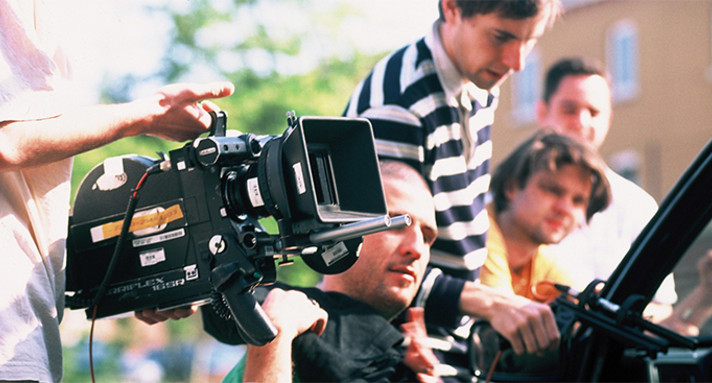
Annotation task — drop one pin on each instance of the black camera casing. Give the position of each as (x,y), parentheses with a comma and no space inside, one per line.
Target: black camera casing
(195,233)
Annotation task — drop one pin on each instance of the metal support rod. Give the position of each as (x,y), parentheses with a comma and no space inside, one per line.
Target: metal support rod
(358,229)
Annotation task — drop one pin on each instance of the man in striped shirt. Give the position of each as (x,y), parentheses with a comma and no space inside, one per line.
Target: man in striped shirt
(432,105)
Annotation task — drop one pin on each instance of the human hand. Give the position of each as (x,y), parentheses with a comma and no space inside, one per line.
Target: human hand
(153,316)
(704,267)
(293,313)
(179,112)
(419,357)
(529,326)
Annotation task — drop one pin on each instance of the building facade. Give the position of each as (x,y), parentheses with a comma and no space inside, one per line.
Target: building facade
(659,53)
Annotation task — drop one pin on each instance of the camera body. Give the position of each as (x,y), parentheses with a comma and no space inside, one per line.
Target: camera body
(195,235)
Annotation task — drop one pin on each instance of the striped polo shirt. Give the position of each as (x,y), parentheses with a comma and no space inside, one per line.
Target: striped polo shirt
(425,114)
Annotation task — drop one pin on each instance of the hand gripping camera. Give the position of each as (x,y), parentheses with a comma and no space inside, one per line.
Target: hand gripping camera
(191,230)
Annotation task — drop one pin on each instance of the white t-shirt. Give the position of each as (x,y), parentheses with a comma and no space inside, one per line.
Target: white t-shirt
(34,202)
(596,249)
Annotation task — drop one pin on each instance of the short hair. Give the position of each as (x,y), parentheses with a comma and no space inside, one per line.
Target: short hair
(508,9)
(391,169)
(549,151)
(571,66)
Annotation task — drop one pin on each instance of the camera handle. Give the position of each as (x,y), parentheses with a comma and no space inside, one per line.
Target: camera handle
(234,277)
(218,124)
(253,324)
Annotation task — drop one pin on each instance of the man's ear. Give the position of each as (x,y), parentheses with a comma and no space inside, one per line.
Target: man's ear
(510,190)
(541,111)
(450,10)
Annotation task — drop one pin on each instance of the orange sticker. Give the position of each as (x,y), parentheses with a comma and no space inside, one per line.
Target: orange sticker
(149,219)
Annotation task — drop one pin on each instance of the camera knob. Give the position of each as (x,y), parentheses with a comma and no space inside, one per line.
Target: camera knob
(217,244)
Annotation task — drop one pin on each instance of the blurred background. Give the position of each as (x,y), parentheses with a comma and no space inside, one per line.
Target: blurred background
(308,55)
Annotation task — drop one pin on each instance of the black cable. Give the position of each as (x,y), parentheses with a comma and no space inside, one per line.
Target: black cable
(128,217)
(130,209)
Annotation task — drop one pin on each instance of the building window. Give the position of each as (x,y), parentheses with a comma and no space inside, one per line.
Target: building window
(622,51)
(709,69)
(526,89)
(627,163)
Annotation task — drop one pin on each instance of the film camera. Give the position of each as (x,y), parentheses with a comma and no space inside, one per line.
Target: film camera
(191,230)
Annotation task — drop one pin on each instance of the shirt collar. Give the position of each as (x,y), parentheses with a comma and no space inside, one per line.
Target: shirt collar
(450,77)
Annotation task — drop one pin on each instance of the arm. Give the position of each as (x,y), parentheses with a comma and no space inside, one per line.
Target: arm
(691,314)
(528,326)
(171,113)
(419,357)
(292,313)
(696,308)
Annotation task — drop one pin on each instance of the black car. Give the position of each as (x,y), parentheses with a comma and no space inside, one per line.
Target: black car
(604,334)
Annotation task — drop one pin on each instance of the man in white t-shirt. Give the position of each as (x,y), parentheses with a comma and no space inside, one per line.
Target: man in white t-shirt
(577,102)
(39,133)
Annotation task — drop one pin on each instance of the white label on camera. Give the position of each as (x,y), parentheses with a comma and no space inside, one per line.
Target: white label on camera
(253,191)
(114,176)
(151,257)
(299,178)
(191,272)
(138,242)
(334,253)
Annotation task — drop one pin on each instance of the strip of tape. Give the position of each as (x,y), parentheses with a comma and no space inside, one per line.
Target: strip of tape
(113,229)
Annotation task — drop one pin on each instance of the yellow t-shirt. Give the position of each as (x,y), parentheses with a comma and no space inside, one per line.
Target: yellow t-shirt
(542,267)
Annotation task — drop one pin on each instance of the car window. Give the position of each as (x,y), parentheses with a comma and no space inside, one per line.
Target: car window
(694,265)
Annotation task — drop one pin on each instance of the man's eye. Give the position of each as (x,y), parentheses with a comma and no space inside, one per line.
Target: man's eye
(396,230)
(429,237)
(569,110)
(551,189)
(501,38)
(580,201)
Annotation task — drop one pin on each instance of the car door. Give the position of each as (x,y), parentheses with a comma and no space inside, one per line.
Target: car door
(617,342)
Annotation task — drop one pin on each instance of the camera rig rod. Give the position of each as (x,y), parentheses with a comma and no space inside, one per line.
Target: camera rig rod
(357,229)
(619,322)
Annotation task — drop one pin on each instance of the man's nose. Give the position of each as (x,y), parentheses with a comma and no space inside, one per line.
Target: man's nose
(412,242)
(579,123)
(584,120)
(564,205)
(515,56)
